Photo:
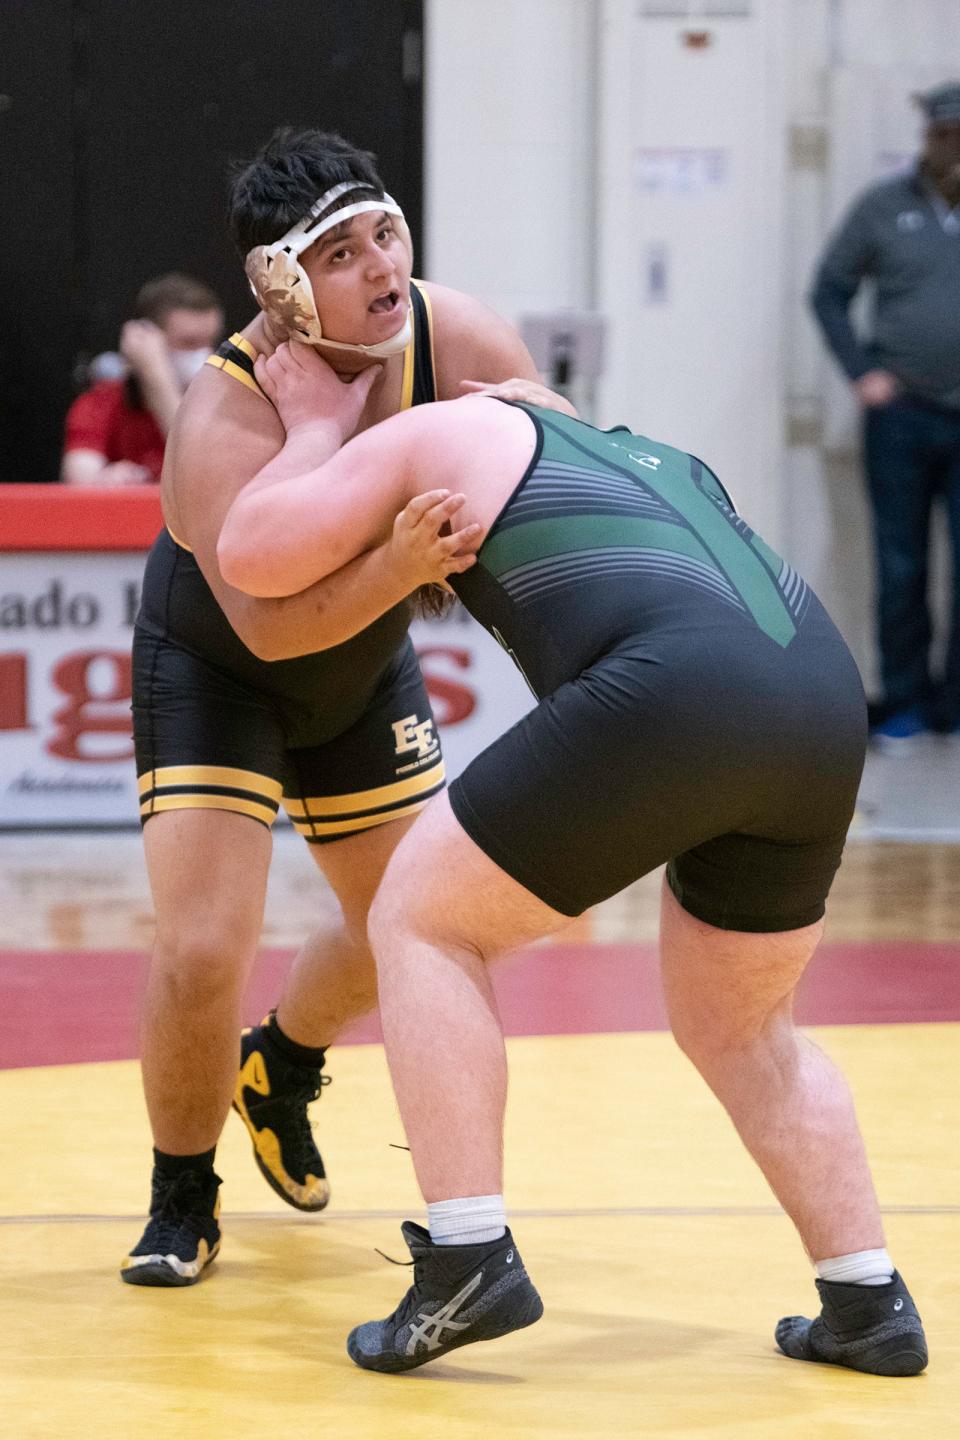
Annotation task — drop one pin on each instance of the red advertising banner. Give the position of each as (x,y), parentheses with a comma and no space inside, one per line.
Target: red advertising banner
(70,569)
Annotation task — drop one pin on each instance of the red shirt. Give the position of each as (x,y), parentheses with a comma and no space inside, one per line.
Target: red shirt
(102,420)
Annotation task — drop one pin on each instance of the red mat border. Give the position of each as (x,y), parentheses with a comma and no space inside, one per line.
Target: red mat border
(66,1008)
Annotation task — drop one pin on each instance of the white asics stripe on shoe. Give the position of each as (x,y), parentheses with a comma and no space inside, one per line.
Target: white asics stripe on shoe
(431,1327)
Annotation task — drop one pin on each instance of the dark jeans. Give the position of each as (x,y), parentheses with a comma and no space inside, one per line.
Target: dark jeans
(912,457)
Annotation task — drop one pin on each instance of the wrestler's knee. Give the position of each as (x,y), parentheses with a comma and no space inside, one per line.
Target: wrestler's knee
(392,916)
(198,967)
(729,1039)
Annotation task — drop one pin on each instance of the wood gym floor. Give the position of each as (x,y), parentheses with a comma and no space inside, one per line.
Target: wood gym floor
(662,1260)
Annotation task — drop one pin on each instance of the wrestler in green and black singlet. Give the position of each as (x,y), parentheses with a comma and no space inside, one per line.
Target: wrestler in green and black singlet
(697,704)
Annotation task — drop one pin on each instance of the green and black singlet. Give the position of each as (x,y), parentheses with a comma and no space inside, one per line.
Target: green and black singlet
(697,705)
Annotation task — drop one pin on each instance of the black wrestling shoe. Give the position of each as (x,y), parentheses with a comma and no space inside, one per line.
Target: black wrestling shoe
(271,1099)
(460,1293)
(182,1234)
(874,1328)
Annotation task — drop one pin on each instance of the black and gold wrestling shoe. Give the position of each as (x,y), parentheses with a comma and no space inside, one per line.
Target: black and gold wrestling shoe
(271,1098)
(182,1234)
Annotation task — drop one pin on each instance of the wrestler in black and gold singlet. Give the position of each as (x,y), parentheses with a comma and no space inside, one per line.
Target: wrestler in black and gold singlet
(343,738)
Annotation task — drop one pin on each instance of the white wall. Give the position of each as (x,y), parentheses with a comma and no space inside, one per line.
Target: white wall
(689,237)
(509,102)
(540,118)
(537,112)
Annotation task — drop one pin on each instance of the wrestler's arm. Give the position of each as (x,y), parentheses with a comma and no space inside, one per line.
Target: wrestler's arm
(357,594)
(285,531)
(289,528)
(224,435)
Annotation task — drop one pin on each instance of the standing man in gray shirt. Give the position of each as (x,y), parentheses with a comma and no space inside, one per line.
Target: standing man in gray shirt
(904,234)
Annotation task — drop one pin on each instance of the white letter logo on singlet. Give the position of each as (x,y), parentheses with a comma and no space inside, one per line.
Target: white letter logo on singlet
(639,457)
(411,734)
(431,1327)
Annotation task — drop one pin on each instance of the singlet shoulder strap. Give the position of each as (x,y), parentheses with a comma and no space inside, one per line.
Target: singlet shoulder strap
(180,544)
(419,377)
(235,357)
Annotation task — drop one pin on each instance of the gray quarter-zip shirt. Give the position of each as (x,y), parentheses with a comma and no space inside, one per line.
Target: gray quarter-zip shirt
(902,235)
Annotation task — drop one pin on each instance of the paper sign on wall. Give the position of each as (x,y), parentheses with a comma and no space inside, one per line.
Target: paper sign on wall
(680,170)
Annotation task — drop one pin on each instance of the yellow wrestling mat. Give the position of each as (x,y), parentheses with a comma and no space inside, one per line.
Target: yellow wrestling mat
(661,1259)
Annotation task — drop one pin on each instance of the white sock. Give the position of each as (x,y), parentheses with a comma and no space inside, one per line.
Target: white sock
(474,1221)
(862,1267)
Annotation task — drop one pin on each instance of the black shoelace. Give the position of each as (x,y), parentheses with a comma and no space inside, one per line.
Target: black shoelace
(290,1107)
(182,1200)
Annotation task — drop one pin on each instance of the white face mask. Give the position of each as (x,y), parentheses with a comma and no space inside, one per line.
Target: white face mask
(186,363)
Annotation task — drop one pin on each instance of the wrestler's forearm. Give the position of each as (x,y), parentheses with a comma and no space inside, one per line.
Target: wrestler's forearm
(333,610)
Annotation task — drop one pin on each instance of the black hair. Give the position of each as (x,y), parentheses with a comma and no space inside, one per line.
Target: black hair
(276,189)
(431,602)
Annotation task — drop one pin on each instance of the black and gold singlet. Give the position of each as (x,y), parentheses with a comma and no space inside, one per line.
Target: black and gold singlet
(343,736)
(178,604)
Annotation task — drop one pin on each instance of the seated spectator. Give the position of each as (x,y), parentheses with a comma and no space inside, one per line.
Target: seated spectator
(115,431)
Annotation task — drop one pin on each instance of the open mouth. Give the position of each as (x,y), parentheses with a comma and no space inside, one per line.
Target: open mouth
(385,304)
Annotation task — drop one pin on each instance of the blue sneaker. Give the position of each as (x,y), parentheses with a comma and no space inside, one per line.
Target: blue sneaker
(460,1293)
(901,725)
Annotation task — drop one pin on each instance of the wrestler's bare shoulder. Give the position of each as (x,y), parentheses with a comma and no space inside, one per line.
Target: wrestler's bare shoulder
(224,432)
(454,310)
(472,342)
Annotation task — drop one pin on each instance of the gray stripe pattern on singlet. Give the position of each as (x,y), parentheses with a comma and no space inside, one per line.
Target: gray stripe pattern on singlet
(793,587)
(539,577)
(562,488)
(795,590)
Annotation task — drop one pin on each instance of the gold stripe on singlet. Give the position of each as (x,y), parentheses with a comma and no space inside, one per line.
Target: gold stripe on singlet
(379,797)
(428,306)
(235,357)
(409,370)
(209,787)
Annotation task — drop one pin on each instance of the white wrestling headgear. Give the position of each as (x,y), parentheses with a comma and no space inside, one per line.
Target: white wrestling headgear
(283,288)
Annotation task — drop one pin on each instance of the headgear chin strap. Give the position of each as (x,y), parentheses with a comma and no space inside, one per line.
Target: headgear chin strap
(283,288)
